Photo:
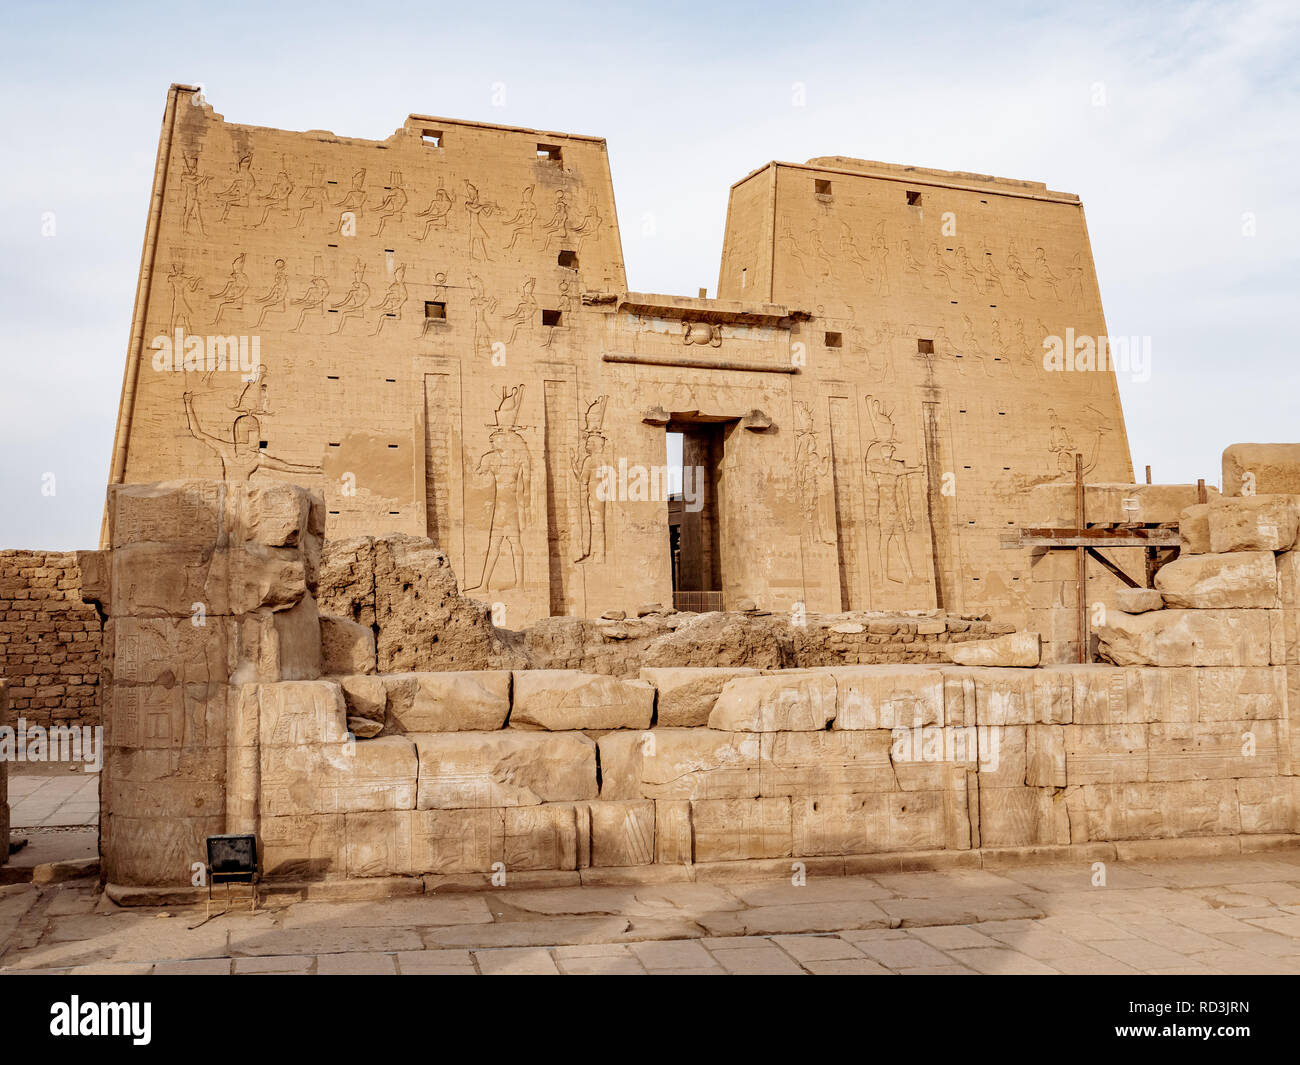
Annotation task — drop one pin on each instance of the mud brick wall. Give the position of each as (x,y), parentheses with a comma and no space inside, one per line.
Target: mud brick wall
(50,640)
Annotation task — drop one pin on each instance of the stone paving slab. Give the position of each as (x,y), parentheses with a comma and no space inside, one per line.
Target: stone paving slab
(1230,915)
(48,800)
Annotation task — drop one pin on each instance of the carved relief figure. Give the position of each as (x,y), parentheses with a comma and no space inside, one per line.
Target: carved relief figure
(814,479)
(940,267)
(393,204)
(478,210)
(239,191)
(880,247)
(590,224)
(521,223)
(1061,444)
(525,312)
(355,198)
(993,274)
(587,472)
(278,197)
(849,252)
(889,509)
(277,299)
(483,305)
(353,303)
(240,456)
(394,300)
(192,184)
(313,299)
(311,197)
(1017,268)
(232,295)
(435,215)
(180,284)
(1045,272)
(509,467)
(557,227)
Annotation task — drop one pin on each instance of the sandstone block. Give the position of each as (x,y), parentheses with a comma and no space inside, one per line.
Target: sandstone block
(887,697)
(363,728)
(622,833)
(1194,530)
(1022,817)
(189,513)
(798,702)
(1243,694)
(1045,758)
(346,647)
(1213,750)
(822,763)
(1209,581)
(1105,754)
(1158,810)
(273,513)
(729,830)
(1015,649)
(1053,504)
(1253,523)
(1261,469)
(366,696)
(563,699)
(414,842)
(301,712)
(1107,695)
(674,842)
(672,763)
(457,701)
(507,768)
(302,847)
(347,777)
(1138,600)
(1186,638)
(687,694)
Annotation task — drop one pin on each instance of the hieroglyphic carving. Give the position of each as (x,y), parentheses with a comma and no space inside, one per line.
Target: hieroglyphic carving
(180,284)
(311,197)
(521,223)
(192,183)
(587,471)
(557,226)
(278,197)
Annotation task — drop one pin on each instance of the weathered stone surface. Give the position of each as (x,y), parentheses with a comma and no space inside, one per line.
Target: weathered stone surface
(871,823)
(821,763)
(364,728)
(1138,600)
(346,646)
(796,702)
(1186,638)
(728,830)
(1014,649)
(1194,530)
(678,763)
(507,768)
(366,696)
(4,777)
(1053,504)
(1208,581)
(1213,750)
(687,694)
(876,697)
(1261,469)
(1253,523)
(674,841)
(1022,817)
(1105,754)
(301,712)
(622,833)
(326,778)
(563,699)
(456,701)
(1154,810)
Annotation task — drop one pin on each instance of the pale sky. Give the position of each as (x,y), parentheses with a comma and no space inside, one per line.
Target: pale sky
(1178,125)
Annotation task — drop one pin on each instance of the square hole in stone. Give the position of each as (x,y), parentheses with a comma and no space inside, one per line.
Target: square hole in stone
(913,198)
(568,259)
(834,340)
(435,309)
(925,347)
(550,317)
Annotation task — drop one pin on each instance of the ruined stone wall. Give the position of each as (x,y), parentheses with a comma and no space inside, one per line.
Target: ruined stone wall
(4,777)
(411,781)
(50,640)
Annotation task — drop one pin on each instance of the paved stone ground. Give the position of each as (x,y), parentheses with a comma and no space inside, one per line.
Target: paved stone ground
(1225,915)
(46,796)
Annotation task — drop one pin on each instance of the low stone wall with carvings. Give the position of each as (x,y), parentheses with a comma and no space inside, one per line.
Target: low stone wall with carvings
(4,777)
(49,639)
(262,717)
